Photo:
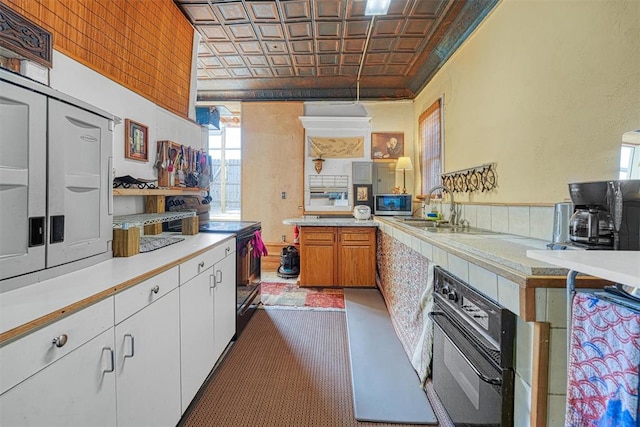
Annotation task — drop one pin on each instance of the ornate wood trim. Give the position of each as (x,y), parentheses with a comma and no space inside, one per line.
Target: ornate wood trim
(25,38)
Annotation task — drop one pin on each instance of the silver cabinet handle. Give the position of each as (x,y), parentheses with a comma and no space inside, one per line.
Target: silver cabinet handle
(212,281)
(132,346)
(201,265)
(220,279)
(227,250)
(60,341)
(111,358)
(155,289)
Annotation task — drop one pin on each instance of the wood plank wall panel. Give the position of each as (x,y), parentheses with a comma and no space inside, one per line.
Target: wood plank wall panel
(145,45)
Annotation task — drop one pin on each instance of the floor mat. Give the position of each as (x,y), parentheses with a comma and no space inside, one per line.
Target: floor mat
(291,295)
(393,394)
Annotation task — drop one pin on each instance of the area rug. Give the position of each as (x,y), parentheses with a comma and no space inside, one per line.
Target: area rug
(291,295)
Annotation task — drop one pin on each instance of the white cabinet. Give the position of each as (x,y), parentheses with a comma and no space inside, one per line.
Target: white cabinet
(66,382)
(55,179)
(207,314)
(148,353)
(224,303)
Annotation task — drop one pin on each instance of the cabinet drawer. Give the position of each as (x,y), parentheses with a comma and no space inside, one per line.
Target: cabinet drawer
(141,295)
(357,237)
(32,353)
(317,235)
(191,268)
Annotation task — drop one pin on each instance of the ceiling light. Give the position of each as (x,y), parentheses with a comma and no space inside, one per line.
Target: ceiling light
(377,7)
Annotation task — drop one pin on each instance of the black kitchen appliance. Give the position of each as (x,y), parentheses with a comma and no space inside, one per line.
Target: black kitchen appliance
(248,263)
(606,215)
(473,354)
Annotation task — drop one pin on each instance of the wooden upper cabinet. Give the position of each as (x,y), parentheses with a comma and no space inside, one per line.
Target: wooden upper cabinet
(338,256)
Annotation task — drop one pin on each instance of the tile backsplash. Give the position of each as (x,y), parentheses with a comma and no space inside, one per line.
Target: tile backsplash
(527,221)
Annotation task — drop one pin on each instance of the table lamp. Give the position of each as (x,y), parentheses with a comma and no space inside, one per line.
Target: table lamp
(404,163)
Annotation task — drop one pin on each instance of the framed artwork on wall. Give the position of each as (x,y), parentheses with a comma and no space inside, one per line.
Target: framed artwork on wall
(363,195)
(387,145)
(136,141)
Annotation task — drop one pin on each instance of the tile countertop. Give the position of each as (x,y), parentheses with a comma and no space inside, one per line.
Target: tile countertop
(504,254)
(312,221)
(617,266)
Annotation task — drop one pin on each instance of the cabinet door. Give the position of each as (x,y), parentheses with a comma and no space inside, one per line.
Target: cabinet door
(197,333)
(148,365)
(318,258)
(79,389)
(357,257)
(23,139)
(384,178)
(362,172)
(224,311)
(79,185)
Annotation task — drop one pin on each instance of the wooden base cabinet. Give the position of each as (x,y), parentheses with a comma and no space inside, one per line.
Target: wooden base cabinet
(338,256)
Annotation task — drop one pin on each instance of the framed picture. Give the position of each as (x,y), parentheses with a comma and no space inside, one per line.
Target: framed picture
(363,195)
(136,142)
(387,145)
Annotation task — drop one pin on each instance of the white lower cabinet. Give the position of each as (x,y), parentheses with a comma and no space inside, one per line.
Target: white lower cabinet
(197,333)
(148,363)
(207,316)
(135,359)
(79,389)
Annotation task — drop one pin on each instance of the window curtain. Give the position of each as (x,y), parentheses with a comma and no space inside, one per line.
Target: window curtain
(430,134)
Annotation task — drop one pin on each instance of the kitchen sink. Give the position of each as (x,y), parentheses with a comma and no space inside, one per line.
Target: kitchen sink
(442,227)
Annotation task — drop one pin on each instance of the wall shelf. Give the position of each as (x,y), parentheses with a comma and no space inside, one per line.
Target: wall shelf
(138,220)
(171,191)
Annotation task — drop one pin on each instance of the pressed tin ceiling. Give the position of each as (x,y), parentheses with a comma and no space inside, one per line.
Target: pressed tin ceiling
(253,50)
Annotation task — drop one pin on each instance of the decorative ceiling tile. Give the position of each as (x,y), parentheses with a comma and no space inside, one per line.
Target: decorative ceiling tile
(376,58)
(209,61)
(296,10)
(328,46)
(280,60)
(200,13)
(304,46)
(328,60)
(410,44)
(418,27)
(357,28)
(257,61)
(231,12)
(213,32)
(261,72)
(270,31)
(232,61)
(250,48)
(224,48)
(283,71)
(263,10)
(328,9)
(353,45)
(240,72)
(328,29)
(303,60)
(327,71)
(275,47)
(387,27)
(306,71)
(379,44)
(300,30)
(242,32)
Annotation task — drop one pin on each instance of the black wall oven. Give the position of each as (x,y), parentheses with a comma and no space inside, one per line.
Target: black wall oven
(473,354)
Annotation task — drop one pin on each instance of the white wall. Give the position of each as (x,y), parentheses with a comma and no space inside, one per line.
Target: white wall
(74,79)
(545,89)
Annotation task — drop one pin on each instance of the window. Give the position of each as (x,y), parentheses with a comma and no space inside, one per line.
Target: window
(225,151)
(430,138)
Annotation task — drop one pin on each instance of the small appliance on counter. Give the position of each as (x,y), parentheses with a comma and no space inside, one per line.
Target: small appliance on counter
(362,212)
(606,215)
(393,204)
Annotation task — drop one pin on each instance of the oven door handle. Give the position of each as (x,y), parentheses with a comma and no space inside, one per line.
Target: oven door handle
(483,377)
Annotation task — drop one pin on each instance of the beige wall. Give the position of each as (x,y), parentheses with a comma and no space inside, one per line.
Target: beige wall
(272,153)
(545,89)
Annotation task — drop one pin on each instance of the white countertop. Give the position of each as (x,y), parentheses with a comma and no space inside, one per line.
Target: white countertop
(617,266)
(24,304)
(329,222)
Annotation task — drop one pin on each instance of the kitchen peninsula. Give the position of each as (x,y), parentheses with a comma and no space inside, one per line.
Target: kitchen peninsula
(336,251)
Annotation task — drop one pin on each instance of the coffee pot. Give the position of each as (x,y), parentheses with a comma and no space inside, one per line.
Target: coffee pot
(592,227)
(606,215)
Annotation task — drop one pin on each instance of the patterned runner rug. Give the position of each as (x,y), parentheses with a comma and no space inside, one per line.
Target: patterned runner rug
(291,295)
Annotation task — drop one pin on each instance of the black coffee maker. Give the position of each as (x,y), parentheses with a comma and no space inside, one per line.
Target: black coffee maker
(606,215)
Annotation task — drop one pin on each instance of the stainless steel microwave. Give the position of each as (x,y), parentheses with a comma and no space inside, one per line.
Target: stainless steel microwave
(392,204)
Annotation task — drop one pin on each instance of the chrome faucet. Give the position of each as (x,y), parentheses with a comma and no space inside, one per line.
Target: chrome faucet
(453,219)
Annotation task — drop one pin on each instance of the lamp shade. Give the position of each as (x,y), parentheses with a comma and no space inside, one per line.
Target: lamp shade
(404,163)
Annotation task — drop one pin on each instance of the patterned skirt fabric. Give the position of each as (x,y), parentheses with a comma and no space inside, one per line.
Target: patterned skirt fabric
(405,279)
(603,364)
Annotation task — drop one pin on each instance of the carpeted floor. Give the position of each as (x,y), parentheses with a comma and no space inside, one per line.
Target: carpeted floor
(288,368)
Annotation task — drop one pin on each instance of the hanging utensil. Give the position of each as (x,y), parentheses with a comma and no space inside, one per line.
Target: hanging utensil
(172,157)
(616,212)
(164,155)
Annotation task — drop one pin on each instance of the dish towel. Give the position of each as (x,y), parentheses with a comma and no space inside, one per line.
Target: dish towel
(259,248)
(603,364)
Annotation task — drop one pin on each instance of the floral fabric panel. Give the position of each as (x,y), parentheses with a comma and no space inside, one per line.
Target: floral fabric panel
(405,279)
